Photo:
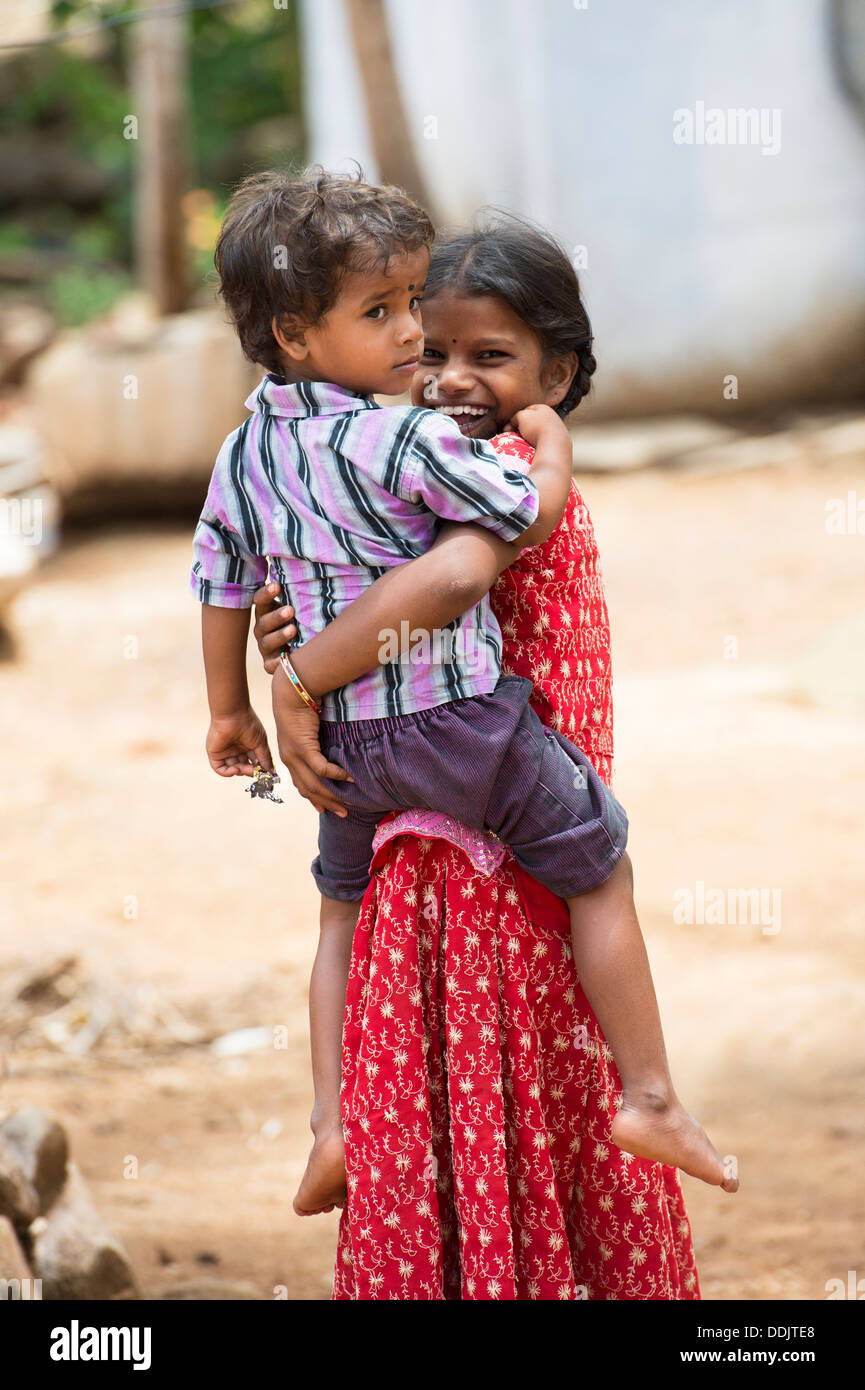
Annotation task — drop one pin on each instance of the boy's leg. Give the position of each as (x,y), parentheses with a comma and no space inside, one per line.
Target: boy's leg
(323,1184)
(611,960)
(568,830)
(341,870)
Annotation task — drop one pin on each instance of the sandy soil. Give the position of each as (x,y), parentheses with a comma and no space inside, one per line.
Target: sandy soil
(741,764)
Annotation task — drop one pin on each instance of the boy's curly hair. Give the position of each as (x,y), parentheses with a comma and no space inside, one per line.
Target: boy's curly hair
(286,243)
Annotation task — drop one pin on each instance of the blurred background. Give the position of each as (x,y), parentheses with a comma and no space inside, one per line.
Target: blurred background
(705,169)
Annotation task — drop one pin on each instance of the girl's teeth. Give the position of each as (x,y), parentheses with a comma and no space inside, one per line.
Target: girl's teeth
(462,409)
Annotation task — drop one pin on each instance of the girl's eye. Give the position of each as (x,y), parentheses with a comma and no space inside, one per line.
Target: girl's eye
(492,352)
(376,312)
(431,352)
(415,303)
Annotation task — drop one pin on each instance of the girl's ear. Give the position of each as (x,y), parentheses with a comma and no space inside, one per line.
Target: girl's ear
(557,376)
(289,334)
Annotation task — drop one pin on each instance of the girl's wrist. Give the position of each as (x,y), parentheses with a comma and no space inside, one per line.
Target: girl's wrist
(300,664)
(286,690)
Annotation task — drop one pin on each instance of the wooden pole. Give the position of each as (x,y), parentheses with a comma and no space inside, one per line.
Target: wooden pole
(388,127)
(159,88)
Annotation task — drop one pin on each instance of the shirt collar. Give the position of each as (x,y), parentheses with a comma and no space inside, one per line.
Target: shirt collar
(274,396)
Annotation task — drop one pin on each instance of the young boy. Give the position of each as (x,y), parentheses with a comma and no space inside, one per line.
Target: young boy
(323,276)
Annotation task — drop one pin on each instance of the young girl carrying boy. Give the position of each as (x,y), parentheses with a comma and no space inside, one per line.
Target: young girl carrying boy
(339,491)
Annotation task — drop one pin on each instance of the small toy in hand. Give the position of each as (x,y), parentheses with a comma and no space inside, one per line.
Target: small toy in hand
(262,784)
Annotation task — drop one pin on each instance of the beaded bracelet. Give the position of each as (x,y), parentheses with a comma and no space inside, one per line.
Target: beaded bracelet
(297,682)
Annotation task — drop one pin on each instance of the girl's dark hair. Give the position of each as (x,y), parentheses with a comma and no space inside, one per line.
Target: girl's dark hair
(527,268)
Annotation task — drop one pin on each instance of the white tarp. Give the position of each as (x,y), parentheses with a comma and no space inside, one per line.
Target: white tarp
(740,253)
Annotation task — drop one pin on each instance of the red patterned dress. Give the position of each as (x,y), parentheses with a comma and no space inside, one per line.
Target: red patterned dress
(477,1086)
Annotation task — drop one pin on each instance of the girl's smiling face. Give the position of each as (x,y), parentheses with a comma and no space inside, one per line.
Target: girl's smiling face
(481,363)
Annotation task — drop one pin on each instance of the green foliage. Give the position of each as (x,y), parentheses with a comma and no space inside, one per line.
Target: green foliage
(79,294)
(244,73)
(241,73)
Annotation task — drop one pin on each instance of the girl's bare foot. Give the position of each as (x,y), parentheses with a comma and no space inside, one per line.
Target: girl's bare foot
(660,1129)
(322,1186)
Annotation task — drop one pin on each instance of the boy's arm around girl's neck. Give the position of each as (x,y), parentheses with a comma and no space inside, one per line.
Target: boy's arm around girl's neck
(552,469)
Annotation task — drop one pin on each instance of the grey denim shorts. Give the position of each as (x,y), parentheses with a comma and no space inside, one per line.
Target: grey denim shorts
(487,761)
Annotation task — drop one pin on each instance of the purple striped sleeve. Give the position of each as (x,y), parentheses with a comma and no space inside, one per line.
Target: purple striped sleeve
(225,572)
(464,479)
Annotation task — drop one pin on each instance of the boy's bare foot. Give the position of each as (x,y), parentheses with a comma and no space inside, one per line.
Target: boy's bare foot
(661,1130)
(322,1186)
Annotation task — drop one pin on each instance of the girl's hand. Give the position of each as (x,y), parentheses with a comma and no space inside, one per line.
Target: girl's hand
(272,629)
(236,742)
(538,421)
(299,748)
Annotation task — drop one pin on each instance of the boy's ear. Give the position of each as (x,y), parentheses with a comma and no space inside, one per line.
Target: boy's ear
(290,336)
(557,376)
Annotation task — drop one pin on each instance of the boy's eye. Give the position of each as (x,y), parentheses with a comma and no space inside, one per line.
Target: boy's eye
(376,313)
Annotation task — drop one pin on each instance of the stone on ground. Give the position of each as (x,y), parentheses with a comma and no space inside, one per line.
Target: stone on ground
(41,1148)
(75,1255)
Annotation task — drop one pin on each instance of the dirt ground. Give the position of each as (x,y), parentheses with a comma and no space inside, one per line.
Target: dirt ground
(739,663)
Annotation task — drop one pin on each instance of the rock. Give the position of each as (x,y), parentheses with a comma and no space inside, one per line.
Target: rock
(783,449)
(76,1257)
(830,439)
(13,1264)
(240,1041)
(209,1290)
(40,986)
(19,1200)
(644,443)
(705,448)
(42,1149)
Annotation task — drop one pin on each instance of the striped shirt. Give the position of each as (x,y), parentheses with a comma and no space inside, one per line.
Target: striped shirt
(336,490)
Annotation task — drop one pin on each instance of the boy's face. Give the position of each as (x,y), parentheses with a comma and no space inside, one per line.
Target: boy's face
(372,338)
(481,363)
